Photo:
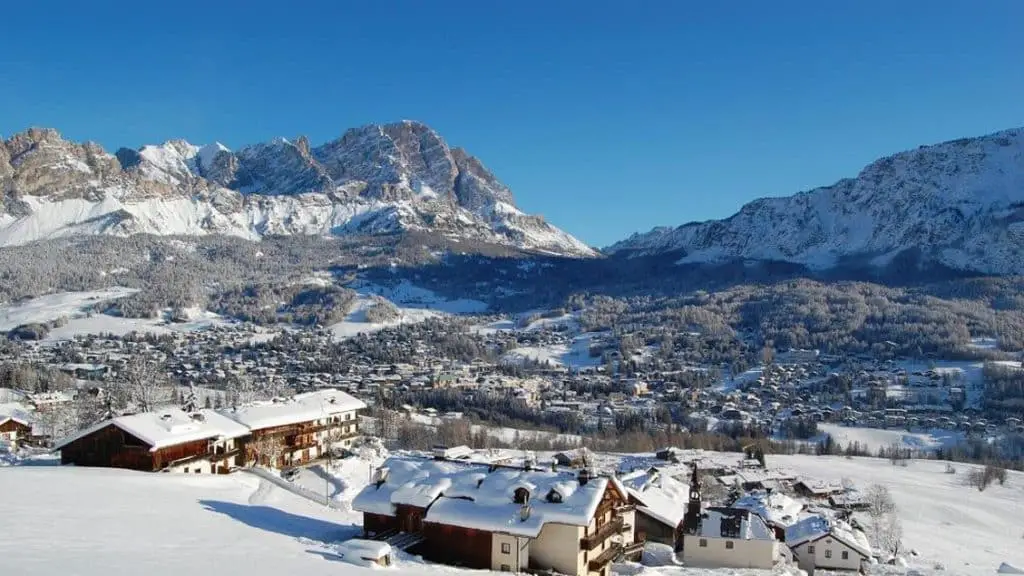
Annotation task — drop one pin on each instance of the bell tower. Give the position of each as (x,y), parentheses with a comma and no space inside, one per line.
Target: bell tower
(691,521)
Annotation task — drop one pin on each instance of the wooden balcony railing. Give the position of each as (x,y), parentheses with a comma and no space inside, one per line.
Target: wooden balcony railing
(610,554)
(603,533)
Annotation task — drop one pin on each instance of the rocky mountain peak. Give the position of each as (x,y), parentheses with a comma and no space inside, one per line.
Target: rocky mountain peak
(384,178)
(958,204)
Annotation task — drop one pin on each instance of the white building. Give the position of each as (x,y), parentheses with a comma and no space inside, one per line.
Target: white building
(818,542)
(730,538)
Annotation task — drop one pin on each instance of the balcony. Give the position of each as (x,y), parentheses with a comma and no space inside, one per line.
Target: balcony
(603,533)
(633,551)
(610,554)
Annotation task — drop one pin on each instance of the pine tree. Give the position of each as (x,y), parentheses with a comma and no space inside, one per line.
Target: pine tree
(190,402)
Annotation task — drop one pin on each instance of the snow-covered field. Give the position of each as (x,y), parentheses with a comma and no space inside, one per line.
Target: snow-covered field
(50,307)
(73,308)
(414,304)
(875,438)
(96,522)
(574,355)
(966,531)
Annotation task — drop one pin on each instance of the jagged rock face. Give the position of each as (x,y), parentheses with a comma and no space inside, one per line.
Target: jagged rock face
(374,179)
(960,203)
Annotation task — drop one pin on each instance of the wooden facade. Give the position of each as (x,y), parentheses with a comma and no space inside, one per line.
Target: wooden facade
(298,443)
(457,546)
(374,524)
(111,447)
(14,430)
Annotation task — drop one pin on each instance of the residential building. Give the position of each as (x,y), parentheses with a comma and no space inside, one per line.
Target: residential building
(203,442)
(818,542)
(502,518)
(660,502)
(720,537)
(15,428)
(730,538)
(298,429)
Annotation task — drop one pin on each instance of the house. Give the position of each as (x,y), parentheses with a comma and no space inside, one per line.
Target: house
(828,544)
(579,457)
(730,538)
(817,490)
(721,537)
(15,427)
(203,442)
(660,502)
(778,510)
(502,518)
(298,429)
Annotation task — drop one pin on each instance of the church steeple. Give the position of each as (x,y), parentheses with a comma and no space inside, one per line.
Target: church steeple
(691,521)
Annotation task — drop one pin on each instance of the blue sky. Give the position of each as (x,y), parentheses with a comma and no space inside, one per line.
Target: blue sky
(606,117)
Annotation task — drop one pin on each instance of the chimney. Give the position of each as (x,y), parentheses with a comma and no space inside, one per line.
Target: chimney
(584,476)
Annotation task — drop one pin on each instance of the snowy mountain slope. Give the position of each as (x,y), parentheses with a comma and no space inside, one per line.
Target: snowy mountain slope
(378,179)
(960,203)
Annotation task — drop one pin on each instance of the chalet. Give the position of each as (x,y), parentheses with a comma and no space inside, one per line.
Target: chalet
(579,457)
(660,502)
(816,490)
(777,510)
(818,542)
(299,429)
(506,519)
(202,442)
(15,428)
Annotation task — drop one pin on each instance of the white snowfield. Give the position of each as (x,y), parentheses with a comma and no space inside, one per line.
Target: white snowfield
(53,306)
(414,304)
(966,531)
(96,522)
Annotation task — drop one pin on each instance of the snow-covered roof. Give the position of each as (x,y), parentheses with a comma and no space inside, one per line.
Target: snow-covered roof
(300,408)
(15,411)
(473,496)
(751,527)
(815,528)
(169,427)
(660,496)
(775,508)
(368,549)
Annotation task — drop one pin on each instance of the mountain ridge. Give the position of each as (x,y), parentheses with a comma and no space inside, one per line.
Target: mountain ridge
(960,203)
(374,179)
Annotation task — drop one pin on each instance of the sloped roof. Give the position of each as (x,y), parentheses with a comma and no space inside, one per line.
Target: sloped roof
(300,408)
(815,528)
(168,427)
(473,496)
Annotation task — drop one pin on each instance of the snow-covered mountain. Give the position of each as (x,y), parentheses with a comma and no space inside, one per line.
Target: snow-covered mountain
(375,179)
(959,204)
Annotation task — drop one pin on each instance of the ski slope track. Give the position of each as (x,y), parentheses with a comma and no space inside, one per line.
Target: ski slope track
(958,205)
(378,179)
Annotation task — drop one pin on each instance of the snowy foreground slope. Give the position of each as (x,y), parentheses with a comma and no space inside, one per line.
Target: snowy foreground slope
(946,522)
(959,204)
(94,522)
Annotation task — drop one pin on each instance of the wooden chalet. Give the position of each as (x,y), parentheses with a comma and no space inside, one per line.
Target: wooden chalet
(299,429)
(169,441)
(502,518)
(14,428)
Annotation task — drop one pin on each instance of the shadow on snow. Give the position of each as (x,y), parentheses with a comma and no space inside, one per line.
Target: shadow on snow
(281,522)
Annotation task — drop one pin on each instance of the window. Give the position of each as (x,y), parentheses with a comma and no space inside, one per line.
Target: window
(828,553)
(846,555)
(810,549)
(506,548)
(506,568)
(703,542)
(186,470)
(348,416)
(728,544)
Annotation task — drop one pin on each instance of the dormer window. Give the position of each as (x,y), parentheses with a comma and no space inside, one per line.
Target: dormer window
(521,496)
(554,496)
